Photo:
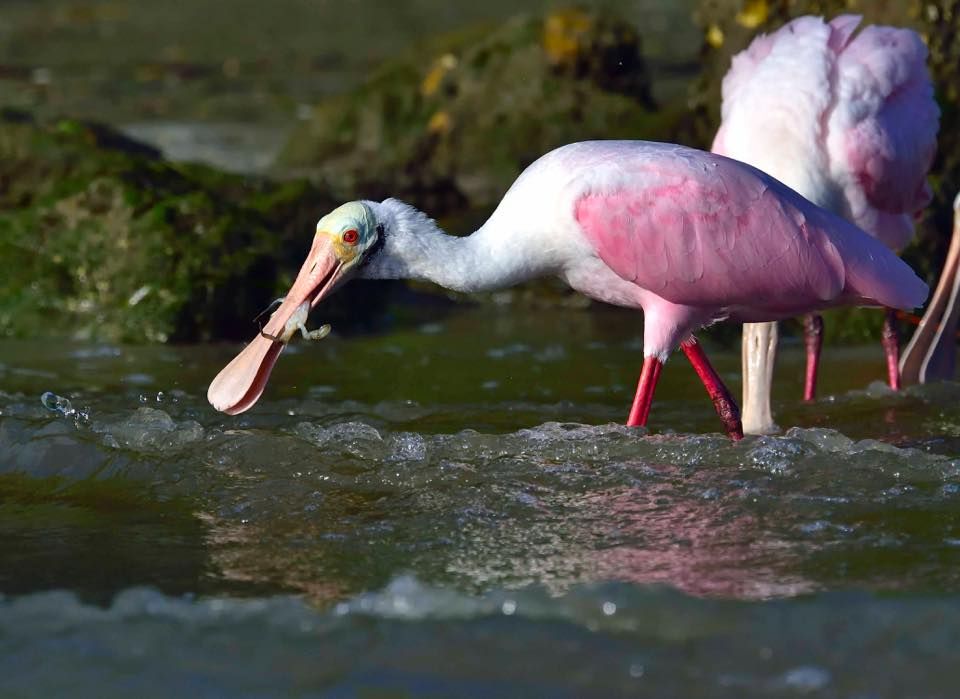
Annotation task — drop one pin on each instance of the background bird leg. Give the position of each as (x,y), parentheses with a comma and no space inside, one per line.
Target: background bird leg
(813,340)
(891,348)
(759,355)
(649,375)
(720,395)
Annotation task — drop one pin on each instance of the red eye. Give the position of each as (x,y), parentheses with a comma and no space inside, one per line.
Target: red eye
(350,237)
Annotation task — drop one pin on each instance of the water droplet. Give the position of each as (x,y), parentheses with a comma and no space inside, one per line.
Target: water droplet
(609,608)
(508,607)
(57,404)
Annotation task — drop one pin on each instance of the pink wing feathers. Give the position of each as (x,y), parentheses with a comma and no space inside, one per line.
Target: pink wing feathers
(713,232)
(883,129)
(832,113)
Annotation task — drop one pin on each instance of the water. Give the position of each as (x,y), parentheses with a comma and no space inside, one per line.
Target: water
(453,509)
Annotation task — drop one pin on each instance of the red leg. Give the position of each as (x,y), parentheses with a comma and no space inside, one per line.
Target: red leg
(720,395)
(645,388)
(891,348)
(813,339)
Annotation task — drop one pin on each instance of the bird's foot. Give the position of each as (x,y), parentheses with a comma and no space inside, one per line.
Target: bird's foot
(317,334)
(296,322)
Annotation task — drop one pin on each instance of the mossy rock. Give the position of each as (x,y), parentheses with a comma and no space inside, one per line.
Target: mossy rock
(101,239)
(729,26)
(451,125)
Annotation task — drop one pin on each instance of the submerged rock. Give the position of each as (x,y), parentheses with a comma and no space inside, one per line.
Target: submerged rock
(452,124)
(102,239)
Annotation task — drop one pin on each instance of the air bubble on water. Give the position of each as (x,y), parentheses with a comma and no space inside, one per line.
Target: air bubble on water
(825,439)
(777,455)
(609,608)
(408,446)
(508,607)
(152,430)
(57,404)
(64,408)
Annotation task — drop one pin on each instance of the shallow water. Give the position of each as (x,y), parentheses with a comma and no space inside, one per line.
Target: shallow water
(452,509)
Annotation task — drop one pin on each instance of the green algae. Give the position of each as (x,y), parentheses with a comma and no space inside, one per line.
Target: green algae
(102,239)
(451,124)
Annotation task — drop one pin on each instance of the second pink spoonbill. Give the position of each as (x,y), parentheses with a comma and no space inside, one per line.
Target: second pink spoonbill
(850,123)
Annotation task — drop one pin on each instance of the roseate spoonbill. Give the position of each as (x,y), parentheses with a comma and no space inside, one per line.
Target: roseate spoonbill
(850,123)
(687,236)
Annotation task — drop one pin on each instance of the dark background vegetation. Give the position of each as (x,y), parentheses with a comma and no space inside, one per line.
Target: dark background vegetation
(162,164)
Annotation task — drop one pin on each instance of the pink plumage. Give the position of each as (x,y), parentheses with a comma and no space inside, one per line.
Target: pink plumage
(703,237)
(848,121)
(716,233)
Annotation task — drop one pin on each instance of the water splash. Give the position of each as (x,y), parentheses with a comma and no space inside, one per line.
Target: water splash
(64,408)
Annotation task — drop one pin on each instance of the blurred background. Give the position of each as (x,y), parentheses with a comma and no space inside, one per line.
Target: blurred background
(163,163)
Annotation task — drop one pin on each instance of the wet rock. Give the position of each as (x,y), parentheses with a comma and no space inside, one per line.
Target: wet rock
(101,239)
(451,125)
(729,26)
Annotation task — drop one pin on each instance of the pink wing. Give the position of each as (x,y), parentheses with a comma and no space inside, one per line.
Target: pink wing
(713,232)
(859,108)
(883,129)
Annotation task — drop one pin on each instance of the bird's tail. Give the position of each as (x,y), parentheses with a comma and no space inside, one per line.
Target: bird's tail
(874,274)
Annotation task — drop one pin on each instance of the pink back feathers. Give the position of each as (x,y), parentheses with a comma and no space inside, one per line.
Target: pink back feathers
(883,130)
(711,232)
(847,120)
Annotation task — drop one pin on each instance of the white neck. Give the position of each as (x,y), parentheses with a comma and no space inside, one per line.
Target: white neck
(414,247)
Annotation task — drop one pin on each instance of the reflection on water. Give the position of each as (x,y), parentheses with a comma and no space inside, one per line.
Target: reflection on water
(482,454)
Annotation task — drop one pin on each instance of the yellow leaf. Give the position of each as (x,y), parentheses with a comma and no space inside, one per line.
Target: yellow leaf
(715,36)
(442,66)
(753,14)
(440,123)
(563,34)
